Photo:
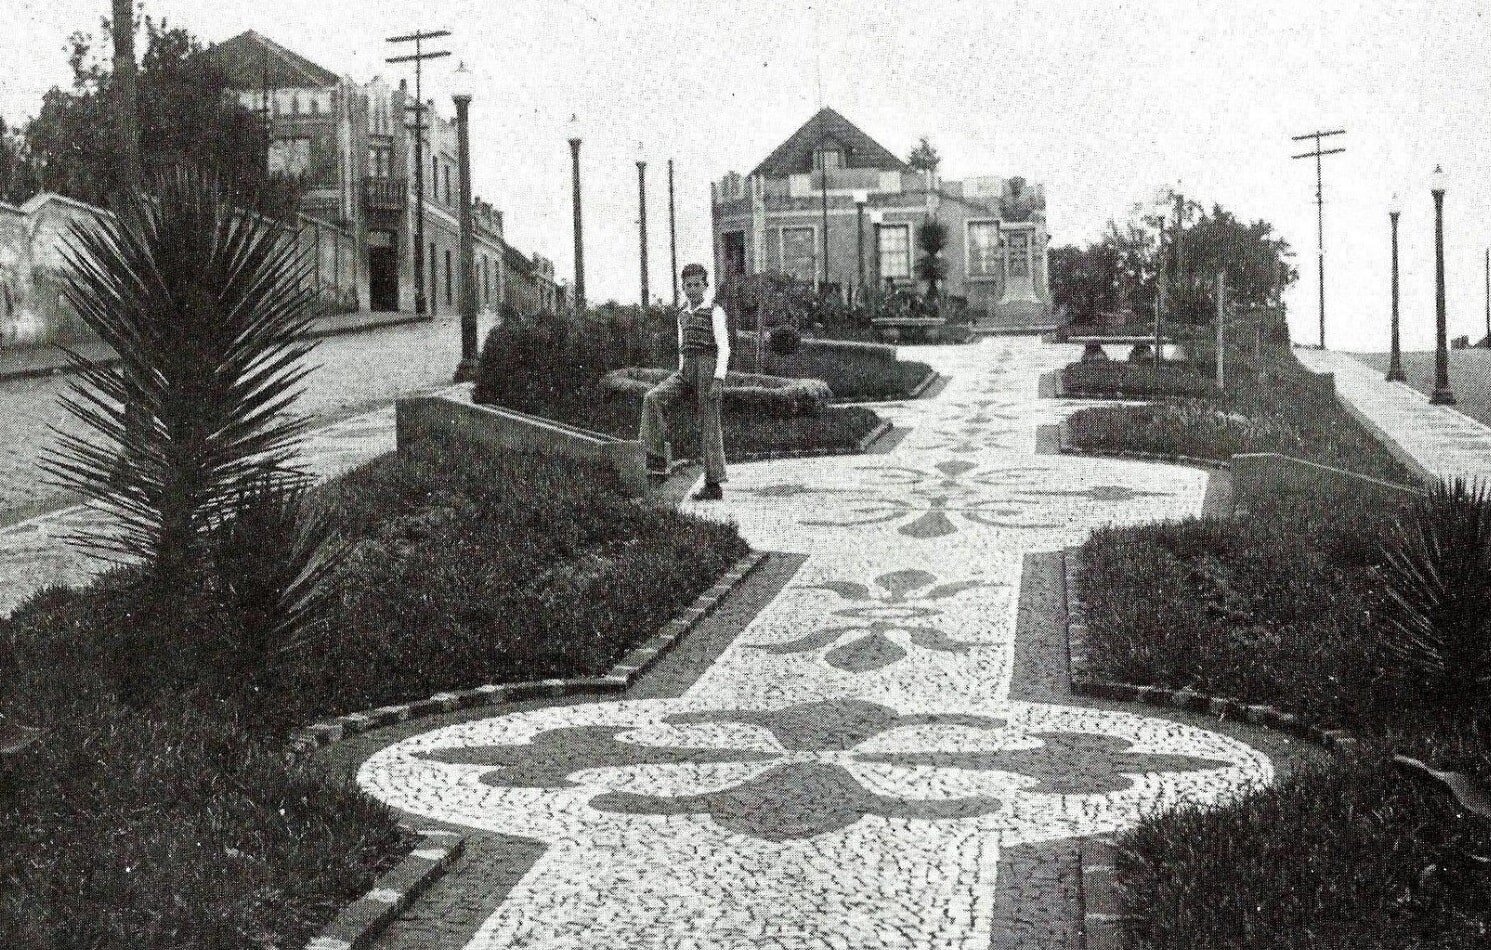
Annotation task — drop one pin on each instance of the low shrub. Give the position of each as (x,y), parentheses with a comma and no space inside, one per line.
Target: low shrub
(852,369)
(784,340)
(1346,854)
(1437,576)
(744,392)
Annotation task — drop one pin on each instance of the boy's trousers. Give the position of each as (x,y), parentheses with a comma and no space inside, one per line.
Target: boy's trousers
(694,378)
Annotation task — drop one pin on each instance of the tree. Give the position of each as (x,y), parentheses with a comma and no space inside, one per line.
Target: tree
(186,116)
(924,157)
(931,237)
(1124,268)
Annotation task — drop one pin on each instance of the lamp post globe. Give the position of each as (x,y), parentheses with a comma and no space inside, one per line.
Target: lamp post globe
(461,87)
(1442,395)
(1395,365)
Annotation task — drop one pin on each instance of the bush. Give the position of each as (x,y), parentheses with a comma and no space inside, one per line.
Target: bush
(784,340)
(744,392)
(1437,575)
(1113,378)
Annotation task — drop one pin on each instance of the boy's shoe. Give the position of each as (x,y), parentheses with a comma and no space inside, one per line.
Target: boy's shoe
(710,492)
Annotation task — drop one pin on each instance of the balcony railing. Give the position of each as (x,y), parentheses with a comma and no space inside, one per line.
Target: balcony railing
(385,194)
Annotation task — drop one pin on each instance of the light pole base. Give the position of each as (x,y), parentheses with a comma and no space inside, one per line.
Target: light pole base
(1395,375)
(466,370)
(1442,397)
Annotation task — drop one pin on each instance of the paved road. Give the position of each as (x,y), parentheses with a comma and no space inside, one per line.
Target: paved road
(1469,371)
(358,372)
(858,767)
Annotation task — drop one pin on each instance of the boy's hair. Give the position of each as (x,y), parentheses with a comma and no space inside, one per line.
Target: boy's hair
(691,269)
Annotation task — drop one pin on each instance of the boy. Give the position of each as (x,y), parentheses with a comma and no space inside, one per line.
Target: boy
(703,355)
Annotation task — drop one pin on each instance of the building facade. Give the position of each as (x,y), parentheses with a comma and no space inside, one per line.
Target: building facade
(772,220)
(351,146)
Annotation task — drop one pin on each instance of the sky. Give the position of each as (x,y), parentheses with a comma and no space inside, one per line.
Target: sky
(1106,103)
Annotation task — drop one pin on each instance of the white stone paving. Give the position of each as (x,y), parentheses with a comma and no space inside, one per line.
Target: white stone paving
(845,774)
(1443,441)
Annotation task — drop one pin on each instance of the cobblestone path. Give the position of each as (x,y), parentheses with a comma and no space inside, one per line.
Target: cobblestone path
(848,771)
(1442,442)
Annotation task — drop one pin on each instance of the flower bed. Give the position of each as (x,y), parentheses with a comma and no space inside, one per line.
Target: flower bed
(1284,608)
(1287,410)
(852,369)
(177,821)
(744,392)
(1134,380)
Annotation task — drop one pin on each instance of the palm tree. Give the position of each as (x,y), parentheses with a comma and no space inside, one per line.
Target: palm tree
(202,303)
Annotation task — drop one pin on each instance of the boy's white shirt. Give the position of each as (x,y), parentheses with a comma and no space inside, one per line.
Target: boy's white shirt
(721,336)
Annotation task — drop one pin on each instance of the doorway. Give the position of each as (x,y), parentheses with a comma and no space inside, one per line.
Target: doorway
(383,270)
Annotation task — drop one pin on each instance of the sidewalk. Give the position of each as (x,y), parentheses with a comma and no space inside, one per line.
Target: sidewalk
(882,757)
(30,361)
(1436,441)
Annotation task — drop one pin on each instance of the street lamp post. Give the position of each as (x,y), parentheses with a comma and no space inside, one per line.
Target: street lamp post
(877,217)
(672,238)
(642,218)
(860,199)
(574,152)
(1442,395)
(461,93)
(1395,366)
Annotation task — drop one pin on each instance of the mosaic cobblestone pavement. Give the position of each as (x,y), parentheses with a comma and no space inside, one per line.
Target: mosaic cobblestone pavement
(34,553)
(848,770)
(1445,442)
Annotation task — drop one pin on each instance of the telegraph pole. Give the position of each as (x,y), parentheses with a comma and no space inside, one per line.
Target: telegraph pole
(125,94)
(1320,209)
(673,237)
(418,58)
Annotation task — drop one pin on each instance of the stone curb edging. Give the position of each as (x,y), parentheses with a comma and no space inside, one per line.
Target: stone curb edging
(361,921)
(914,393)
(1256,714)
(1102,910)
(1067,448)
(617,679)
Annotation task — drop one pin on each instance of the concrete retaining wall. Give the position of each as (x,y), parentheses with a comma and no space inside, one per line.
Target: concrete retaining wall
(1260,475)
(451,412)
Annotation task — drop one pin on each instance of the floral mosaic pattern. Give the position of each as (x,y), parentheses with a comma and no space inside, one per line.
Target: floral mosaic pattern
(900,606)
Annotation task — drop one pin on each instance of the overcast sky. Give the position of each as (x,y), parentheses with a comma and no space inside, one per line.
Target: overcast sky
(1104,102)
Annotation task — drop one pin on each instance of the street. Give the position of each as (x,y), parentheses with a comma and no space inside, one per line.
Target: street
(357,371)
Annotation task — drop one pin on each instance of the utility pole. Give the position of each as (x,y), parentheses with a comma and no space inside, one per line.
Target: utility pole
(1320,209)
(642,226)
(418,58)
(1159,298)
(1221,334)
(673,238)
(126,96)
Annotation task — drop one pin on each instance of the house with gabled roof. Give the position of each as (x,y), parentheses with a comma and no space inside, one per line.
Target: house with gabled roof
(833,206)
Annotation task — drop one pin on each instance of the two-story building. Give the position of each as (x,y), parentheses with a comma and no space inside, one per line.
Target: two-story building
(351,145)
(773,220)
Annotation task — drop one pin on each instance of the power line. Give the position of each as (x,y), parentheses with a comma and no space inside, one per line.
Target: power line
(1320,209)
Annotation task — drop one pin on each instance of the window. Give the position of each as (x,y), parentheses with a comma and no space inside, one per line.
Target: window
(380,161)
(983,248)
(289,156)
(295,105)
(894,242)
(315,106)
(449,282)
(827,157)
(447,184)
(1019,244)
(800,253)
(434,279)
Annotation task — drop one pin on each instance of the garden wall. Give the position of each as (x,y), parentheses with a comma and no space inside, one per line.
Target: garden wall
(451,412)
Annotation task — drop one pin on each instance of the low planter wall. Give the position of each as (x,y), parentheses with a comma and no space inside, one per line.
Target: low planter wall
(451,412)
(1259,475)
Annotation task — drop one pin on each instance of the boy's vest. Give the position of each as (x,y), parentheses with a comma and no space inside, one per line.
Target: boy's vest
(698,329)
